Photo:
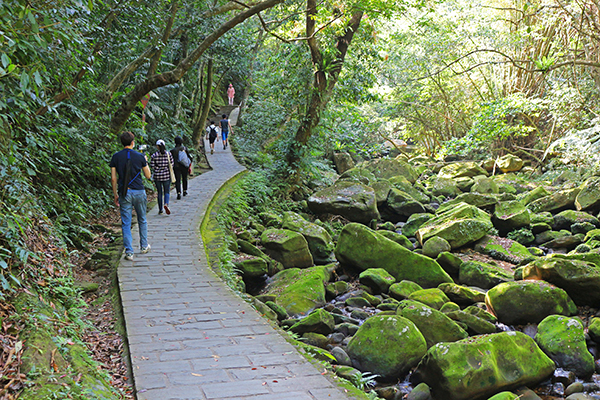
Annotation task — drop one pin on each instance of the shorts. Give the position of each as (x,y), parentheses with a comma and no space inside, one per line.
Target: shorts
(211,139)
(224,135)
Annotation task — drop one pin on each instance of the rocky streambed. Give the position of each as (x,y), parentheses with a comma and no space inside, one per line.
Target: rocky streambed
(447,281)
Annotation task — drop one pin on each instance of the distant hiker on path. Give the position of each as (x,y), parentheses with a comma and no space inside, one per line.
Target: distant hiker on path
(161,163)
(211,135)
(230,94)
(183,161)
(225,129)
(128,190)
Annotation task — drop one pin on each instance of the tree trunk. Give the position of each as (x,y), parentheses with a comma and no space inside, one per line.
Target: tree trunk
(155,81)
(165,37)
(198,127)
(250,79)
(179,101)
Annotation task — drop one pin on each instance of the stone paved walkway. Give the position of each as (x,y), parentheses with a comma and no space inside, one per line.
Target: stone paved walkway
(190,336)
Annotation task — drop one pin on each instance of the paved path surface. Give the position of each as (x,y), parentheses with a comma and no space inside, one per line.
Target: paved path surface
(190,336)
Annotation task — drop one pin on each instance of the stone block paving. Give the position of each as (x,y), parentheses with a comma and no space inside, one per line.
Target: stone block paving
(190,336)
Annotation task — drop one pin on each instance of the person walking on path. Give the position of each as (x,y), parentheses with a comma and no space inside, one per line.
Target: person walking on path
(211,135)
(183,161)
(126,167)
(225,129)
(230,93)
(160,162)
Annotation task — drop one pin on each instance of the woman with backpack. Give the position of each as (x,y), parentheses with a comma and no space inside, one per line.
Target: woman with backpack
(160,162)
(183,161)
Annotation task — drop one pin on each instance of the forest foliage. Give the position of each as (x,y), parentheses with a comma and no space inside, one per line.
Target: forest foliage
(454,77)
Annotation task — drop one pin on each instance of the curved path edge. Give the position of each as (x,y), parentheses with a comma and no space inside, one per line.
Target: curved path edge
(190,336)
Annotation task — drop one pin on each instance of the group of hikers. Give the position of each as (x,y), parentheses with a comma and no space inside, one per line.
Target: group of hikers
(212,132)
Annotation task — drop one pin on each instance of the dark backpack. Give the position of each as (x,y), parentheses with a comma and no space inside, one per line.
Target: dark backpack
(213,133)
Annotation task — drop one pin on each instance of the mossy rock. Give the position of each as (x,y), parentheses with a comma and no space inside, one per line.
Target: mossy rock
(435,326)
(555,202)
(435,245)
(503,249)
(483,275)
(579,278)
(479,200)
(358,175)
(354,201)
(450,306)
(414,191)
(279,311)
(251,266)
(433,298)
(403,289)
(462,294)
(528,301)
(362,248)
(378,279)
(567,218)
(444,187)
(343,161)
(288,247)
(510,215)
(562,339)
(270,219)
(398,238)
(420,392)
(509,163)
(460,225)
(594,329)
(319,241)
(387,345)
(505,396)
(482,366)
(462,169)
(382,189)
(335,289)
(548,236)
(264,310)
(315,339)
(386,168)
(414,222)
(485,185)
(481,313)
(300,291)
(589,197)
(475,324)
(403,204)
(582,227)
(533,195)
(319,321)
(449,262)
(542,217)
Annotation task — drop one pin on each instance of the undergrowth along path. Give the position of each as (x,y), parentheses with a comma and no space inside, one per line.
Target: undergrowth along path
(190,336)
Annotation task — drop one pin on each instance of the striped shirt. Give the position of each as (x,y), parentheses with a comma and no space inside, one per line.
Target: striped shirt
(160,166)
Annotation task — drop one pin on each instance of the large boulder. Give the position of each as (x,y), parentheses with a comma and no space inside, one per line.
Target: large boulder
(362,248)
(562,339)
(485,185)
(435,326)
(462,169)
(503,249)
(387,345)
(444,187)
(432,297)
(386,168)
(251,266)
(524,302)
(459,225)
(555,202)
(567,218)
(319,241)
(483,275)
(382,190)
(403,204)
(377,279)
(414,222)
(300,291)
(510,215)
(351,200)
(359,175)
(343,162)
(509,163)
(403,184)
(589,197)
(462,295)
(579,278)
(288,247)
(319,321)
(478,367)
(533,195)
(479,200)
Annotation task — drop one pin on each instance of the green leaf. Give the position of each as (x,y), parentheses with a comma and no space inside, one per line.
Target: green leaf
(5,284)
(5,60)
(24,81)
(38,78)
(3,264)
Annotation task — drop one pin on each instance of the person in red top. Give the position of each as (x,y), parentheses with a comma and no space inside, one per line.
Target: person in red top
(230,94)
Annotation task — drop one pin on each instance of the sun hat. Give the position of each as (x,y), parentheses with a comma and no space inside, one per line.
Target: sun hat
(160,142)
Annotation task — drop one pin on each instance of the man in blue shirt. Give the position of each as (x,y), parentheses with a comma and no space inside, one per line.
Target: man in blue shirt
(126,167)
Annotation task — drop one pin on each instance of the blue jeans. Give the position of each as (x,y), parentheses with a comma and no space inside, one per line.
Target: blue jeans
(162,187)
(134,199)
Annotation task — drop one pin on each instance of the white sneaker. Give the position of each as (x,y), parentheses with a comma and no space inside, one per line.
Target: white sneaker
(129,256)
(146,249)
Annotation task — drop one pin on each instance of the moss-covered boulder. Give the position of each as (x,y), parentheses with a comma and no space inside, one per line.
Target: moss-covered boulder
(555,202)
(403,204)
(288,247)
(524,302)
(479,200)
(594,329)
(382,189)
(387,345)
(462,294)
(386,168)
(343,161)
(503,249)
(270,219)
(403,289)
(444,187)
(433,297)
(505,396)
(319,241)
(362,248)
(435,326)
(474,323)
(398,238)
(354,201)
(510,215)
(358,175)
(251,266)
(460,225)
(483,275)
(580,279)
(436,245)
(450,262)
(509,163)
(485,185)
(478,367)
(532,195)
(414,191)
(562,339)
(567,218)
(414,222)
(462,169)
(589,197)
(300,291)
(319,321)
(377,279)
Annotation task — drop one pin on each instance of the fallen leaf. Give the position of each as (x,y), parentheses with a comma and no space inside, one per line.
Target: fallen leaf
(196,374)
